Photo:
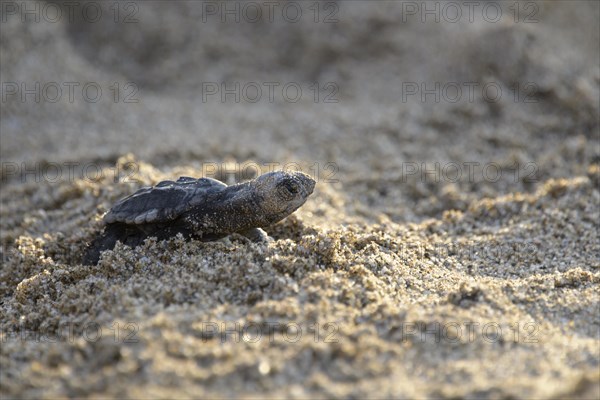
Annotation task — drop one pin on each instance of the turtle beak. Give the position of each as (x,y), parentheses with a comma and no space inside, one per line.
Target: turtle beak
(307,182)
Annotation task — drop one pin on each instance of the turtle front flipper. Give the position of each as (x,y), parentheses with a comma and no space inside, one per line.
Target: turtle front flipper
(256,235)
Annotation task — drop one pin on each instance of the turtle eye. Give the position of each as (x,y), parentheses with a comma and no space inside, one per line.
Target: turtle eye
(291,187)
(288,190)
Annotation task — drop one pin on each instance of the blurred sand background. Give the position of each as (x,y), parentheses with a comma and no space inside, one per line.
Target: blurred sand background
(387,282)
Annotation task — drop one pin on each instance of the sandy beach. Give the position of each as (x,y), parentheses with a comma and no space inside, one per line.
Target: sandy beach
(451,246)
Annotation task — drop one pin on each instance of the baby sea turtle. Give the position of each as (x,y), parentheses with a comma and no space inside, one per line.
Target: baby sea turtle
(204,209)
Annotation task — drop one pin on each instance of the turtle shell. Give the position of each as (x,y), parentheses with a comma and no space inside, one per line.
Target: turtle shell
(163,202)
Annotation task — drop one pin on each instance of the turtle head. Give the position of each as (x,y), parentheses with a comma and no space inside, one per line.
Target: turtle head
(282,193)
